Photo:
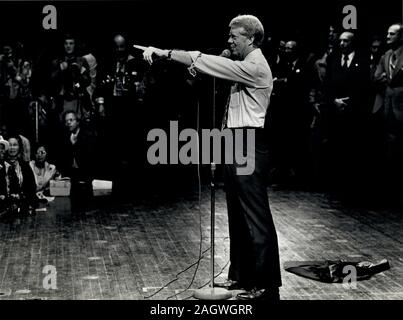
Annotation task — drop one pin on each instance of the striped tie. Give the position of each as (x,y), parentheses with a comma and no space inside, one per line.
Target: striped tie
(225,117)
(345,62)
(392,63)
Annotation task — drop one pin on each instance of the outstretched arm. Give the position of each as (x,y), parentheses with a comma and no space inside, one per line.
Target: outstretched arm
(245,72)
(176,55)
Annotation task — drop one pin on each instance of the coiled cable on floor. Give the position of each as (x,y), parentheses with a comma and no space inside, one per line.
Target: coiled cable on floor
(200,211)
(201,254)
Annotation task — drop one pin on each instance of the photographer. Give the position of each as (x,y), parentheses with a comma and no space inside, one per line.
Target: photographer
(70,77)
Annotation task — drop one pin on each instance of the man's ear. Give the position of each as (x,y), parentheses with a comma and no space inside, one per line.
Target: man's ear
(252,40)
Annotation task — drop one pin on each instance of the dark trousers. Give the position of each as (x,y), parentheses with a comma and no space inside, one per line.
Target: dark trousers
(127,134)
(254,252)
(393,152)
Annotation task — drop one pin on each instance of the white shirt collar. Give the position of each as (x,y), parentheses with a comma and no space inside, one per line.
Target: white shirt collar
(350,58)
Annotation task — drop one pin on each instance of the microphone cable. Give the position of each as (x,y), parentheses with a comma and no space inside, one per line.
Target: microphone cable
(217,275)
(200,211)
(201,254)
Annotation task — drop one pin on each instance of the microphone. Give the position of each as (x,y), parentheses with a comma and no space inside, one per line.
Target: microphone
(226,53)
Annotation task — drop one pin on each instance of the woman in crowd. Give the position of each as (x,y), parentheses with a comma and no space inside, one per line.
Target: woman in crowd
(22,187)
(43,171)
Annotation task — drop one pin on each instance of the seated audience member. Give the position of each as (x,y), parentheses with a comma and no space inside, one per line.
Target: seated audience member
(21,179)
(78,158)
(3,174)
(43,170)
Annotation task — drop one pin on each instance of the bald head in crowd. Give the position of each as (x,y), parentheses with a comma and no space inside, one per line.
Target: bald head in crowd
(291,50)
(346,42)
(120,46)
(394,35)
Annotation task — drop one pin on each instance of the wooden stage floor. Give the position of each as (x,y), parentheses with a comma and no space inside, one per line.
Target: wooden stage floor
(149,250)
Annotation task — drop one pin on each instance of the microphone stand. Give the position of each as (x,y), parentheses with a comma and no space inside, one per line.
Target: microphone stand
(36,121)
(212,293)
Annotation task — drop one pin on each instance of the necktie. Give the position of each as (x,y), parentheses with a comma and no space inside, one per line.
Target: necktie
(225,117)
(345,62)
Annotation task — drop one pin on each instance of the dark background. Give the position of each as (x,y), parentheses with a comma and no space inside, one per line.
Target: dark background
(193,25)
(186,24)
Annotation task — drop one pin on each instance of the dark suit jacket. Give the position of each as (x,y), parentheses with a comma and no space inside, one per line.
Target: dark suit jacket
(3,181)
(82,151)
(390,95)
(352,83)
(292,90)
(65,81)
(133,78)
(28,187)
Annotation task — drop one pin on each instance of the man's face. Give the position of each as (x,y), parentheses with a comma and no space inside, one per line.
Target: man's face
(394,35)
(239,43)
(71,122)
(332,35)
(346,42)
(291,50)
(69,46)
(14,147)
(120,46)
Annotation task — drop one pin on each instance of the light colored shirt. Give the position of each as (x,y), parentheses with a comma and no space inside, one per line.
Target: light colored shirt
(250,93)
(43,175)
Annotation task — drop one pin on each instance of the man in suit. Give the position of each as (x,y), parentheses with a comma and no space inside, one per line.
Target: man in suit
(122,88)
(388,79)
(292,117)
(78,160)
(346,92)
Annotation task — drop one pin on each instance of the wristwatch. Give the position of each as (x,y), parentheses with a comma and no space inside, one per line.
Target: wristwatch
(170,54)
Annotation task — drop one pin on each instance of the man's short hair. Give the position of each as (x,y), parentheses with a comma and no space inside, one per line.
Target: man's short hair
(252,26)
(69,36)
(65,113)
(350,32)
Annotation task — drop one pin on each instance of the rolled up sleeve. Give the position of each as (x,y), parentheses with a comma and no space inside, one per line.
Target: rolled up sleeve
(246,72)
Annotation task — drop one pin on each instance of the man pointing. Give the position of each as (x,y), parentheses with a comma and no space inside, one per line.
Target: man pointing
(254,253)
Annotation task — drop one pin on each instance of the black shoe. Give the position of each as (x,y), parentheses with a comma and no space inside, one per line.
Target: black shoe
(229,285)
(259,294)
